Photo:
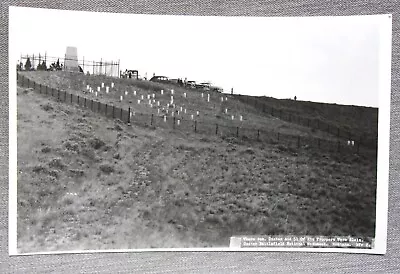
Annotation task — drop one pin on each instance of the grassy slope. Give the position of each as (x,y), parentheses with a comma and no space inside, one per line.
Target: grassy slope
(210,113)
(359,121)
(86,182)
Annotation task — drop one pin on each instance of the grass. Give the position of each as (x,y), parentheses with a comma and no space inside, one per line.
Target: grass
(95,183)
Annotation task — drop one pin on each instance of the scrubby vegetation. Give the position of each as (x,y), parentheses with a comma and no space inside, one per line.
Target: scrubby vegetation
(88,182)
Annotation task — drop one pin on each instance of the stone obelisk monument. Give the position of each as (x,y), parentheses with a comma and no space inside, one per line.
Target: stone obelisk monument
(71,59)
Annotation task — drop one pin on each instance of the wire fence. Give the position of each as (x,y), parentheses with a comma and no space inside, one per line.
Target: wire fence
(363,139)
(44,62)
(130,116)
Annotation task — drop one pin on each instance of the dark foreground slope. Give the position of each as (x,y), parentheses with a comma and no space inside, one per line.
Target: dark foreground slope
(87,182)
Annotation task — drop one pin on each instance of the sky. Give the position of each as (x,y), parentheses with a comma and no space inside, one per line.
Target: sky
(320,59)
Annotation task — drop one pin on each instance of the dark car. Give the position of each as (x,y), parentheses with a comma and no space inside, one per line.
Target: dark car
(204,86)
(159,79)
(191,84)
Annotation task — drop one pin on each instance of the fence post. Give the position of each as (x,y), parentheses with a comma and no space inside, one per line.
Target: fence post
(98,106)
(40,88)
(65,96)
(173,126)
(71,98)
(258,134)
(34,85)
(78,99)
(129,114)
(113,112)
(129,111)
(195,125)
(121,114)
(298,141)
(85,102)
(151,121)
(28,82)
(216,129)
(91,104)
(58,95)
(237,132)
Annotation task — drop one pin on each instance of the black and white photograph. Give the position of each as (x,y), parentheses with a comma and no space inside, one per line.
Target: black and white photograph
(134,132)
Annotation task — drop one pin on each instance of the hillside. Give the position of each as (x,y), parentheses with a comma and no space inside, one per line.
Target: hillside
(210,113)
(97,183)
(350,122)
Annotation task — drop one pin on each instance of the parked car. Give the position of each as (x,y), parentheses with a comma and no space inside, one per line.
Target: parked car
(217,89)
(191,84)
(159,79)
(204,86)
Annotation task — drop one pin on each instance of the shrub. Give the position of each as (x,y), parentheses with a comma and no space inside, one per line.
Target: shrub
(56,163)
(71,146)
(46,107)
(96,143)
(46,149)
(107,168)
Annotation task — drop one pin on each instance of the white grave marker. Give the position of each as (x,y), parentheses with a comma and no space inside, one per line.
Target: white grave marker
(192,116)
(184,94)
(222,99)
(172,91)
(158,111)
(134,92)
(185,110)
(121,98)
(142,97)
(158,103)
(241,118)
(138,101)
(226,111)
(102,85)
(154,96)
(179,122)
(181,108)
(226,98)
(162,92)
(96,93)
(172,113)
(149,102)
(165,118)
(352,143)
(112,85)
(198,113)
(87,87)
(202,95)
(178,112)
(126,93)
(98,89)
(233,117)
